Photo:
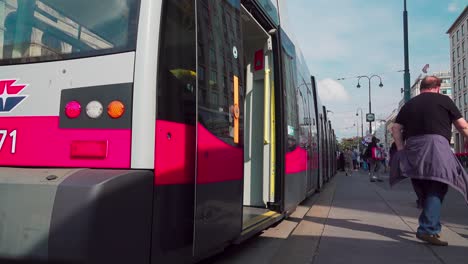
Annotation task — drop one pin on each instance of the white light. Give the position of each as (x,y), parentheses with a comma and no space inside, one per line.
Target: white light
(94,109)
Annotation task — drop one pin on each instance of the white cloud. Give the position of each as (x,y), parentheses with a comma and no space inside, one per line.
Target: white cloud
(332,91)
(453,7)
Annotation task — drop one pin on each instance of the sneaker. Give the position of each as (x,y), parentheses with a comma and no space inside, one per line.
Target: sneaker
(432,239)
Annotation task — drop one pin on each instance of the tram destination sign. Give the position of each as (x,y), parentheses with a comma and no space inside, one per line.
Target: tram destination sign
(370,117)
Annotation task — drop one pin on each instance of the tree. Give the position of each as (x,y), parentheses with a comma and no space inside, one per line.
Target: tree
(350,143)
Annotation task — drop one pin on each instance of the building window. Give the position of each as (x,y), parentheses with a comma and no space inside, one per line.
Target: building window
(464,64)
(459,102)
(464,81)
(458,51)
(463,47)
(463,30)
(459,84)
(453,40)
(212,57)
(453,56)
(458,68)
(448,91)
(213,80)
(458,35)
(455,86)
(464,99)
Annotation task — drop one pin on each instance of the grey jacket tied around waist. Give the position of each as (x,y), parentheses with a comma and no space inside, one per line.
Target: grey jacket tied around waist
(429,157)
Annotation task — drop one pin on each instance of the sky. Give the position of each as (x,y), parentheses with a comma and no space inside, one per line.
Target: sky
(349,38)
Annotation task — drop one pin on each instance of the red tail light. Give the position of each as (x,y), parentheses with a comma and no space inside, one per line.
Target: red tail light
(73,109)
(89,149)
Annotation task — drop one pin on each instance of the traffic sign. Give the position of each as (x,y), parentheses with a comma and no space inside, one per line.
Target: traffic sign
(370,117)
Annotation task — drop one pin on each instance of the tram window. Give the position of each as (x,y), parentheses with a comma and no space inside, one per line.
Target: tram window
(177,63)
(216,100)
(289,73)
(53,29)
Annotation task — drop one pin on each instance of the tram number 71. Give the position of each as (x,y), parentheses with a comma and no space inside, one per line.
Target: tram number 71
(4,135)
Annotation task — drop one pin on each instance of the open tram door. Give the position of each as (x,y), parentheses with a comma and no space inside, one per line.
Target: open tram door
(235,179)
(259,123)
(220,132)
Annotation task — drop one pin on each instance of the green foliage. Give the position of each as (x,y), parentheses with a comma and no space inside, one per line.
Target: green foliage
(350,143)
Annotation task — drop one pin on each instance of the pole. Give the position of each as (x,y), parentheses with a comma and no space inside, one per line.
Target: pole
(407,78)
(362,125)
(357,135)
(370,107)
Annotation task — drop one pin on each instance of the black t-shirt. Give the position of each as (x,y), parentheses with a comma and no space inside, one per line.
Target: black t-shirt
(428,113)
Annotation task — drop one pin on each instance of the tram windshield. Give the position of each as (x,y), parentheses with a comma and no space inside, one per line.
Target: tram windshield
(43,30)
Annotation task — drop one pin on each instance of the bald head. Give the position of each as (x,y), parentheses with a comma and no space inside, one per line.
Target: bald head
(430,82)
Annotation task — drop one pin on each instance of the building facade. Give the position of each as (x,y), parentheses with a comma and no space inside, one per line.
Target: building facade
(458,36)
(445,88)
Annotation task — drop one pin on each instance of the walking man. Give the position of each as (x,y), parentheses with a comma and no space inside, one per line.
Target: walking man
(426,156)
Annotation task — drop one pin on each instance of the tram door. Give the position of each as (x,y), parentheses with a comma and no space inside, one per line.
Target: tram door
(220,131)
(322,153)
(304,132)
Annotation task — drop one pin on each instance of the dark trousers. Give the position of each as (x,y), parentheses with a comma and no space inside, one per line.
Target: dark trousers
(432,194)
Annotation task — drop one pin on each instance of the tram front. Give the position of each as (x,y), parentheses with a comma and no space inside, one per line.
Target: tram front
(70,74)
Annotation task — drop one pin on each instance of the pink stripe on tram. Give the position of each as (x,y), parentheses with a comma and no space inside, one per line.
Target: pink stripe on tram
(41,143)
(296,161)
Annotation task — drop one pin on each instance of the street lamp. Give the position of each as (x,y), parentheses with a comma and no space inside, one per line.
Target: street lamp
(362,121)
(357,135)
(359,86)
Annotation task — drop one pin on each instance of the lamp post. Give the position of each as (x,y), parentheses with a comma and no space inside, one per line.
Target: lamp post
(407,78)
(357,135)
(370,105)
(362,121)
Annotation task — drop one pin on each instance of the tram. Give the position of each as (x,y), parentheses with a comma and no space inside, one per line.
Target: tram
(142,131)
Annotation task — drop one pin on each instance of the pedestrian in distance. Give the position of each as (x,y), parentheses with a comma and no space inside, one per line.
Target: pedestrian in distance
(364,165)
(358,160)
(348,156)
(374,159)
(354,156)
(426,157)
(384,157)
(341,160)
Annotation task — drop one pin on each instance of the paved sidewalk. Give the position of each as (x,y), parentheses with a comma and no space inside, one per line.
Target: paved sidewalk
(369,223)
(356,221)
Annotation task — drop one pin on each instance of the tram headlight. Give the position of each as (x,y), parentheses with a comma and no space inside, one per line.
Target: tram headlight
(94,109)
(73,109)
(116,109)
